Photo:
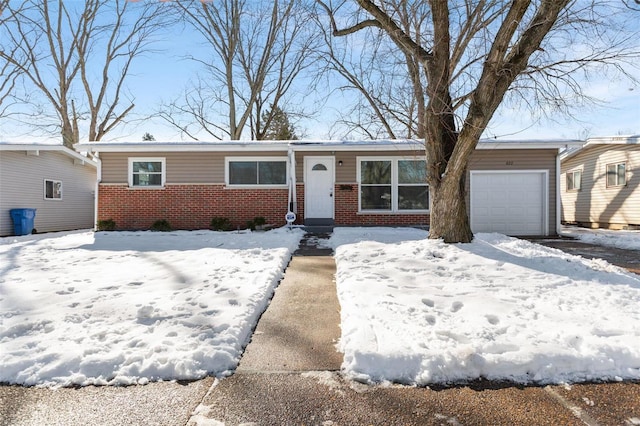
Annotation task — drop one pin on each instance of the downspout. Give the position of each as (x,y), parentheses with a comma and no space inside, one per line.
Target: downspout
(558,196)
(95,200)
(292,205)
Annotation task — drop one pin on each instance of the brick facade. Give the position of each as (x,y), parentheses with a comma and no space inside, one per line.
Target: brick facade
(346,211)
(189,206)
(193,206)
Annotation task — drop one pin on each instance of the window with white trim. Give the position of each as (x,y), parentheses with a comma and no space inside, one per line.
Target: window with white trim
(52,189)
(262,171)
(147,172)
(616,174)
(392,185)
(574,180)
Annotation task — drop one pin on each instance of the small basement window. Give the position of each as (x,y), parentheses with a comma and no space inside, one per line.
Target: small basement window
(147,172)
(52,189)
(574,180)
(616,174)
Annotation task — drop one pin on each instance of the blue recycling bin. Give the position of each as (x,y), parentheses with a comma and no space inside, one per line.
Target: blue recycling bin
(23,221)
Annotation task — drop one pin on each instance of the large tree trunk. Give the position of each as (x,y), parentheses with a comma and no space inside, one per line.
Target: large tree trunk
(449,219)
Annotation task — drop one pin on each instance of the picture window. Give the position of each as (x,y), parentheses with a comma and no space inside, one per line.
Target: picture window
(256,172)
(393,185)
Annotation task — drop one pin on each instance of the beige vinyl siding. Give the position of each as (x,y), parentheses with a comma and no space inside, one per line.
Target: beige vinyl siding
(595,203)
(519,159)
(22,186)
(208,167)
(182,167)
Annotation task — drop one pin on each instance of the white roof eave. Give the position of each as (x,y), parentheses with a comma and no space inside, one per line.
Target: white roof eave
(76,156)
(605,140)
(306,146)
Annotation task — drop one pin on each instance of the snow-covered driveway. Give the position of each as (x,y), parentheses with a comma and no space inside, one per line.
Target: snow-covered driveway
(129,307)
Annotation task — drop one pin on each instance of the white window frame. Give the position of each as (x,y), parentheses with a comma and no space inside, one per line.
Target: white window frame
(394,184)
(573,174)
(161,160)
(283,159)
(606,174)
(54,182)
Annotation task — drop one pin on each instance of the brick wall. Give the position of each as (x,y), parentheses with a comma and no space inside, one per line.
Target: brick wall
(189,206)
(193,206)
(346,211)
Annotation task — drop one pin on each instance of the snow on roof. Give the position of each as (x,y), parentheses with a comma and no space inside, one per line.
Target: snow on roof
(614,140)
(312,145)
(602,140)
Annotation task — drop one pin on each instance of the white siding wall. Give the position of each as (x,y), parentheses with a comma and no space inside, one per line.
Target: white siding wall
(595,204)
(22,186)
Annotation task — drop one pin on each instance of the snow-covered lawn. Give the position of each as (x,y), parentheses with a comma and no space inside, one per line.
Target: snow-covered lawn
(628,240)
(420,311)
(129,307)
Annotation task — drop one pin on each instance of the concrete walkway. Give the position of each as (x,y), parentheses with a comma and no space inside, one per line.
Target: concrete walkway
(299,330)
(289,375)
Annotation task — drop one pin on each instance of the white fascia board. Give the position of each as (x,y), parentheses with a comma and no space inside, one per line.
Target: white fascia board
(368,146)
(76,156)
(177,147)
(250,146)
(550,144)
(306,146)
(615,140)
(607,140)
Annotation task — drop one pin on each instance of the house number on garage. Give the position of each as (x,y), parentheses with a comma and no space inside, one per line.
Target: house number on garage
(509,163)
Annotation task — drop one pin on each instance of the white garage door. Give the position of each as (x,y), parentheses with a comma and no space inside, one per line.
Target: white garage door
(512,203)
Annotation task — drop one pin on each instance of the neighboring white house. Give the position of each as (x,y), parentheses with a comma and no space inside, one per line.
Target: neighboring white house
(56,181)
(600,183)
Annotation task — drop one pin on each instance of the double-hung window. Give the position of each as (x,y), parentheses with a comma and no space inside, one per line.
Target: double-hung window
(392,185)
(147,172)
(574,180)
(616,174)
(263,171)
(52,189)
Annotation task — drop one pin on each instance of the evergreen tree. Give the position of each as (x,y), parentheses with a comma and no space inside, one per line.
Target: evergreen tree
(276,125)
(148,137)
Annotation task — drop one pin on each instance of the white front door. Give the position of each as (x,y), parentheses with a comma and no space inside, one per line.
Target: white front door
(318,187)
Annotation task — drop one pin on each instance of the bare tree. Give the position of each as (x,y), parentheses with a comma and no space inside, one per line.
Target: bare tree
(9,72)
(258,50)
(78,56)
(474,54)
(389,84)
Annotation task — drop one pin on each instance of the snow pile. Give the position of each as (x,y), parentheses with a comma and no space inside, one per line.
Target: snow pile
(421,312)
(628,240)
(130,307)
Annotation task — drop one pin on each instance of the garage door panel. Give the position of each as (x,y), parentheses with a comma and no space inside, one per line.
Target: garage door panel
(512,203)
